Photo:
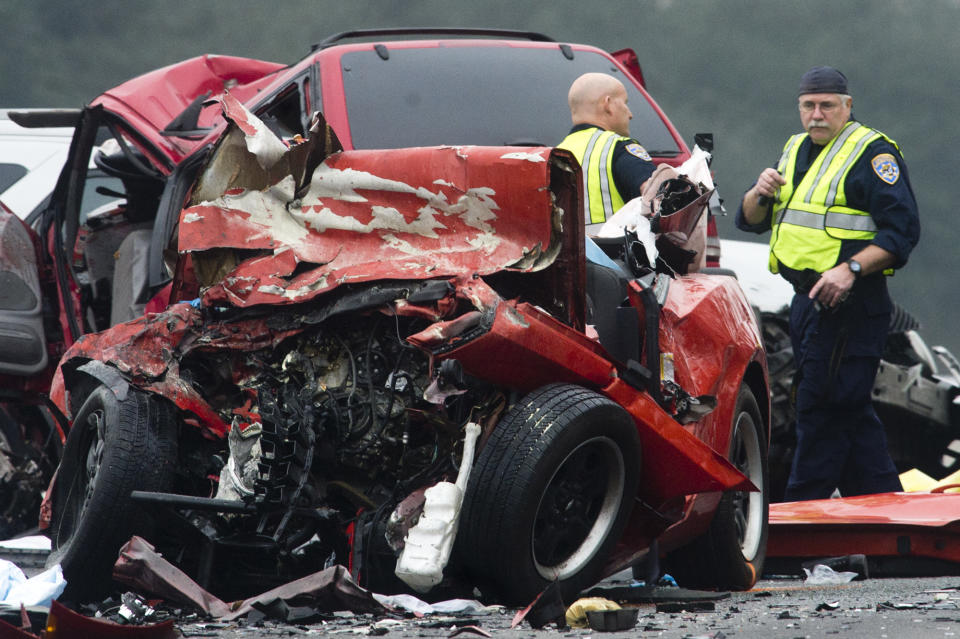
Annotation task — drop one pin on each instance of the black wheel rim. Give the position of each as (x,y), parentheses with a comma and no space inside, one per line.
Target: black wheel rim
(578,507)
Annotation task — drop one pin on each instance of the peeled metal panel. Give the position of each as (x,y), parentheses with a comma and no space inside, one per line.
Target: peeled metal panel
(367,215)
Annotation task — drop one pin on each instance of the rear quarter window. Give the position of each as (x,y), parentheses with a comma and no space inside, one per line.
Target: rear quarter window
(10,174)
(477,95)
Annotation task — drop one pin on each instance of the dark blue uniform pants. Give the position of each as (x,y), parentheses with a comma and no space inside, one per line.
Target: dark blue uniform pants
(840,440)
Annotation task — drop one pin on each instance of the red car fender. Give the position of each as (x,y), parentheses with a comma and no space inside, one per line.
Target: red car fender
(141,351)
(525,349)
(709,328)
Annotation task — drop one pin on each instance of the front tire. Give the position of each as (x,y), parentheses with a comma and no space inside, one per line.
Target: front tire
(114,447)
(730,555)
(550,494)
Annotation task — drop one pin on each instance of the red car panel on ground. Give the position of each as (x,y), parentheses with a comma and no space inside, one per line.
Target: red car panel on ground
(901,526)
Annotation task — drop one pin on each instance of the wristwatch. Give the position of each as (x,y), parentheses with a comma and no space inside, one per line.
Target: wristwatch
(854,267)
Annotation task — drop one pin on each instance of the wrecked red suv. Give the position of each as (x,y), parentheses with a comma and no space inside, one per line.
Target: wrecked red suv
(354,321)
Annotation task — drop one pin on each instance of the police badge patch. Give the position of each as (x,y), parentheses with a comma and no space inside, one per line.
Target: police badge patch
(637,150)
(886,168)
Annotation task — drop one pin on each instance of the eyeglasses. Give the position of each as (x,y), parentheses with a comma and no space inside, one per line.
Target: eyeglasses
(825,107)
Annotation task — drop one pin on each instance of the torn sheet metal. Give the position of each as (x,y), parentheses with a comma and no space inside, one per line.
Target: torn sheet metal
(364,215)
(151,101)
(888,525)
(676,463)
(63,623)
(148,351)
(329,590)
(141,566)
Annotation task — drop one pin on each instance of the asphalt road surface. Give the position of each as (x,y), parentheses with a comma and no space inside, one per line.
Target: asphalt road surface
(779,608)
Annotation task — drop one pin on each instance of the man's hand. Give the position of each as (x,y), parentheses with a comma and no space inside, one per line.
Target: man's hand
(767,184)
(833,286)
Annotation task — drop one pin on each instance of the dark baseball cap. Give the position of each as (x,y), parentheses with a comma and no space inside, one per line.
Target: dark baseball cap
(823,80)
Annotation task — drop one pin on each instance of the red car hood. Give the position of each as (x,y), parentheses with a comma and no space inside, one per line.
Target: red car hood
(149,102)
(360,216)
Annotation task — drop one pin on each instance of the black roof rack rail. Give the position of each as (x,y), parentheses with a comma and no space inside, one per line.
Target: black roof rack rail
(40,118)
(436,31)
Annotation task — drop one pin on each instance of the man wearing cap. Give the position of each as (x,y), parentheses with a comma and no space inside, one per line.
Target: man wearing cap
(842,216)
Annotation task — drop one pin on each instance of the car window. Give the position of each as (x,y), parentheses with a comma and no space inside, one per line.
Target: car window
(288,114)
(10,174)
(92,199)
(476,95)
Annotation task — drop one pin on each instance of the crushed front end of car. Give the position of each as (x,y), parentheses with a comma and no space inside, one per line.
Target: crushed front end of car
(356,325)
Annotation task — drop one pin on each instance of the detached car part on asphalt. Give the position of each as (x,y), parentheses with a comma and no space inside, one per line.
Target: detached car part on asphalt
(353,313)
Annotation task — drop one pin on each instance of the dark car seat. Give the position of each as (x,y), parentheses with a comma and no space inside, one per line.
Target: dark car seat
(609,311)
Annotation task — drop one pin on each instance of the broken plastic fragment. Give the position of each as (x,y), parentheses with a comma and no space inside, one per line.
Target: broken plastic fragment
(825,575)
(428,544)
(134,610)
(577,612)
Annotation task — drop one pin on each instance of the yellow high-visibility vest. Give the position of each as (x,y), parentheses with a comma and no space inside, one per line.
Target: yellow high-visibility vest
(593,148)
(811,219)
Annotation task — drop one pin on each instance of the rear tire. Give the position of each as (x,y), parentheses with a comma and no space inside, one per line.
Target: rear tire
(114,447)
(783,416)
(550,494)
(730,555)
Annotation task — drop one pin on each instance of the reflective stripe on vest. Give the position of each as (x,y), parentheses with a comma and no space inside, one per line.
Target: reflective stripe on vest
(811,219)
(593,148)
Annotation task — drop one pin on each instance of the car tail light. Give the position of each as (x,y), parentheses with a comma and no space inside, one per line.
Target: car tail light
(713,243)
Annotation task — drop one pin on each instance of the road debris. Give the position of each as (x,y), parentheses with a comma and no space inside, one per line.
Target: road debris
(822,575)
(39,590)
(686,606)
(613,620)
(577,614)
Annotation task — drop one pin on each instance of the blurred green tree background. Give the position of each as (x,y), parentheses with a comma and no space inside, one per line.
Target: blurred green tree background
(729,67)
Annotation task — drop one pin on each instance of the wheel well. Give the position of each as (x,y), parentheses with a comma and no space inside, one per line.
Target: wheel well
(754,379)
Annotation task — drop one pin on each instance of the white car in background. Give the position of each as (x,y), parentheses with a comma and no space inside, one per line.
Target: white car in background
(31,160)
(30,163)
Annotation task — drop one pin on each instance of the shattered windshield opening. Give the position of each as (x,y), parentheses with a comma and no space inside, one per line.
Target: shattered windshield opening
(476,95)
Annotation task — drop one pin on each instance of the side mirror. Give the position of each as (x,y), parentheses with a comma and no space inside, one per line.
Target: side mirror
(704,141)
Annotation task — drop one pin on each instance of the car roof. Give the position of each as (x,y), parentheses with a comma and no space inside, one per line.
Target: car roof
(151,101)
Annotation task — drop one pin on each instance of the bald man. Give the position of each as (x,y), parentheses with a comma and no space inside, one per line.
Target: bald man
(615,166)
